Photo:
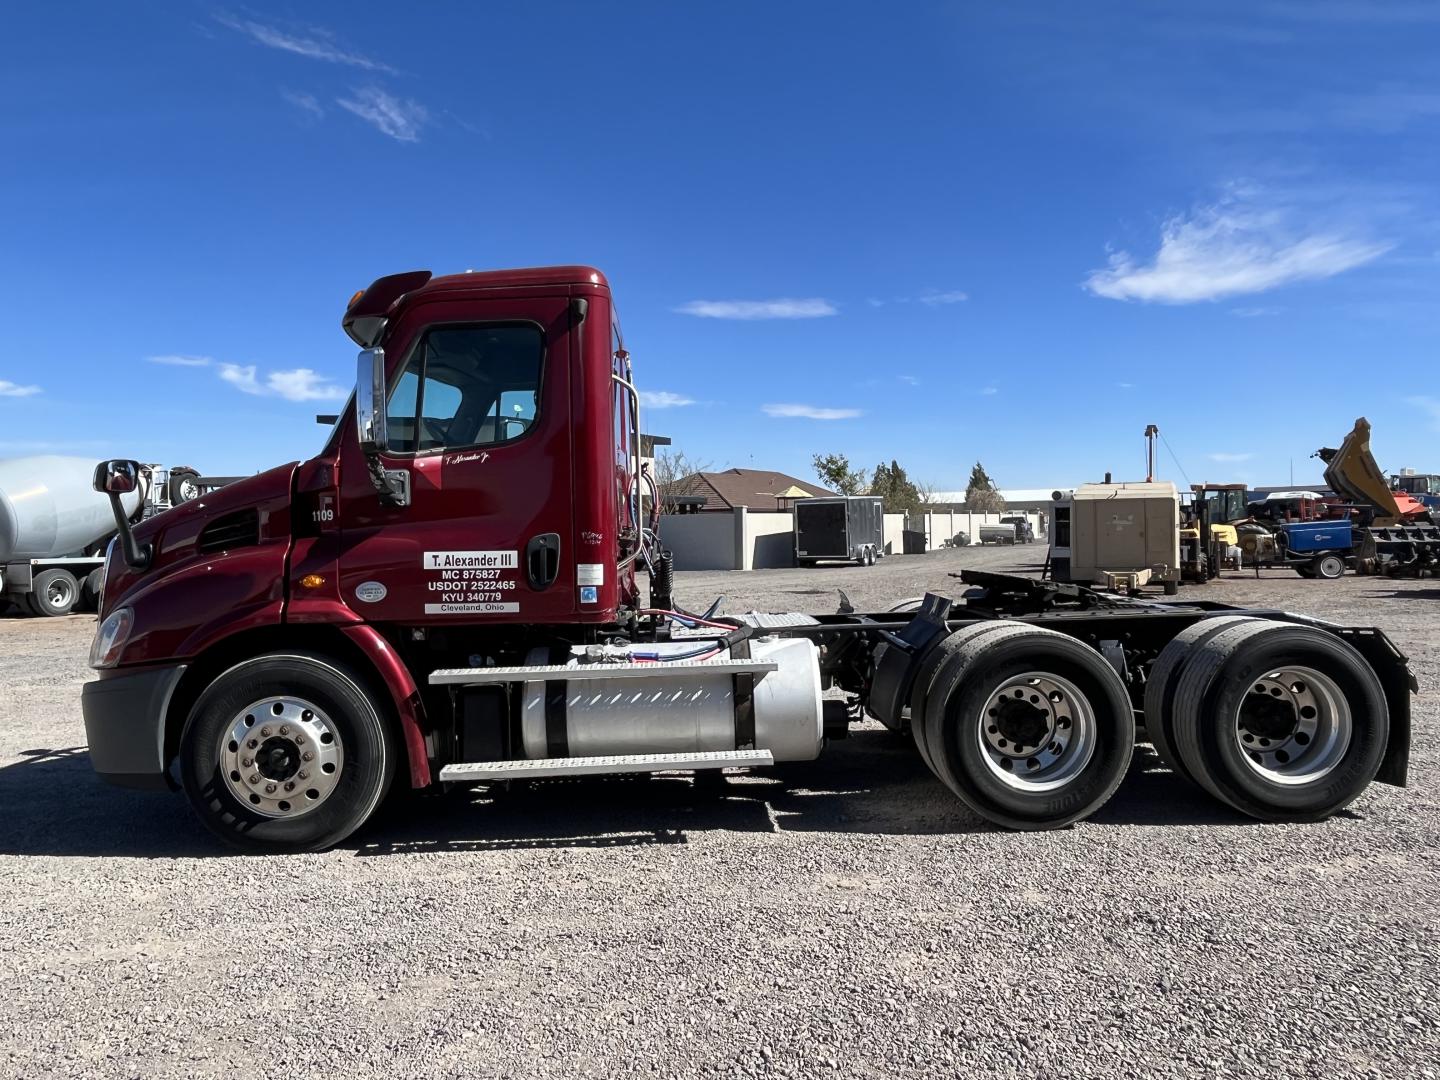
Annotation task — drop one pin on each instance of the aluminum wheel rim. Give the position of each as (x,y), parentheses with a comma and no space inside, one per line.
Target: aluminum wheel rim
(188,490)
(1037,732)
(1302,731)
(281,757)
(59,593)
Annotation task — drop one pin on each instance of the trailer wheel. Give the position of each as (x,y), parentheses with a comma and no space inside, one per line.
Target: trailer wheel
(1032,729)
(54,592)
(1329,567)
(285,752)
(1164,678)
(1282,722)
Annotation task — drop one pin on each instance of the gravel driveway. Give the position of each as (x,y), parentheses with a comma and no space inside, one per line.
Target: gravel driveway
(837,919)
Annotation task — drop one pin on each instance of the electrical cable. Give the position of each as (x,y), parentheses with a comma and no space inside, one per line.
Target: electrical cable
(1173,457)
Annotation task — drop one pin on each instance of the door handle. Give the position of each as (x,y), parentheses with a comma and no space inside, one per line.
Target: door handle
(542,560)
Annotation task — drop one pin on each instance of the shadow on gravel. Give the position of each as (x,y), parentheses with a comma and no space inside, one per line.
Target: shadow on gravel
(52,803)
(871,783)
(1404,594)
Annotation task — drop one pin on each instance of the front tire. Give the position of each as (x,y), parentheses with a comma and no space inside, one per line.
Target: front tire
(286,752)
(1329,567)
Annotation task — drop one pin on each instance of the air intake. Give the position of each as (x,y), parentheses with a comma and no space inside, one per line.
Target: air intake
(240,529)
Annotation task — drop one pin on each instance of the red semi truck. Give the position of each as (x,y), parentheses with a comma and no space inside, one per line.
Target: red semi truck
(447,594)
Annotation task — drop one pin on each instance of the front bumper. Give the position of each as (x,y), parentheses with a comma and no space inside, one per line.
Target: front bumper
(125,725)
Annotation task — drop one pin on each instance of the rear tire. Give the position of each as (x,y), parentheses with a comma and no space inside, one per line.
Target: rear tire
(1164,678)
(54,593)
(241,788)
(183,485)
(1031,729)
(90,591)
(1281,722)
(1329,567)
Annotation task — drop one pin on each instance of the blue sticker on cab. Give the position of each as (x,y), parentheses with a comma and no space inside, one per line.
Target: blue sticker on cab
(589,594)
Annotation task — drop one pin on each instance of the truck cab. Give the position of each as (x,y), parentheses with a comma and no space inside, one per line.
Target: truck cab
(479,497)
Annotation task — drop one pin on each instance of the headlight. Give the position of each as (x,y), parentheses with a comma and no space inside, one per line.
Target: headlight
(111,638)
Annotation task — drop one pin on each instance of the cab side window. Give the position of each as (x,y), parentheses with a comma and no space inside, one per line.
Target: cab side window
(467,386)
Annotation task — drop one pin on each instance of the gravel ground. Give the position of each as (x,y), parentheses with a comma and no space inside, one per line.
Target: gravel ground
(845,918)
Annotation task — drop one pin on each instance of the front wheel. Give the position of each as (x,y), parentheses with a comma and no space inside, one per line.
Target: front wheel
(1329,567)
(286,752)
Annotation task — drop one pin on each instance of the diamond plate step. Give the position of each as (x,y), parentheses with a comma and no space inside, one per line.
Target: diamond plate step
(599,766)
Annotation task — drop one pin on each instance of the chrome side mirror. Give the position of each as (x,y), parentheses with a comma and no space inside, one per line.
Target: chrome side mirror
(118,476)
(370,400)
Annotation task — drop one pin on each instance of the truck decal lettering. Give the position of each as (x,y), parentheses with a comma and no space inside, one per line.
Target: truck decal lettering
(448,560)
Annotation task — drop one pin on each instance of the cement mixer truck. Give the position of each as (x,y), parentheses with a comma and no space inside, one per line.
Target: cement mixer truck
(54,528)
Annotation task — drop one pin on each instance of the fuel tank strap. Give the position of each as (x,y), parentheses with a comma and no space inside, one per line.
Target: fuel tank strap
(557,737)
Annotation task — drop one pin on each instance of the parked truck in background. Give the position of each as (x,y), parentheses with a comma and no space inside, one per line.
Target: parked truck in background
(845,528)
(448,594)
(54,527)
(1024,531)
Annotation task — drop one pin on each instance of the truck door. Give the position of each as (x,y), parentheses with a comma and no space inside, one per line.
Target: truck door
(479,425)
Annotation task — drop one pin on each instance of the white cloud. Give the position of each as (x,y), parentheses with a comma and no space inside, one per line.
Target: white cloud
(314,43)
(10,389)
(663,399)
(910,380)
(812,308)
(990,390)
(1230,457)
(935,299)
(1125,385)
(302,384)
(810,412)
(180,360)
(1254,312)
(1230,249)
(396,117)
(306,103)
(874,302)
(242,377)
(297,384)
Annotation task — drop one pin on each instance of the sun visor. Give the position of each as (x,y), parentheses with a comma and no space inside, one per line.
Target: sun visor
(365,317)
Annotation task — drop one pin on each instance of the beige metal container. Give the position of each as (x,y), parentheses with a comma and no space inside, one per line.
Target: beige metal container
(1125,529)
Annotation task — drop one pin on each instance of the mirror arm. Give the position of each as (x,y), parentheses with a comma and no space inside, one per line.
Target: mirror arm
(137,555)
(388,485)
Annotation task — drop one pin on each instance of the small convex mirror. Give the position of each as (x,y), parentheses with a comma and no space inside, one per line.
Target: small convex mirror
(118,476)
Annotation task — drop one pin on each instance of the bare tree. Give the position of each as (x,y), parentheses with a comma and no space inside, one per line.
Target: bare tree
(677,474)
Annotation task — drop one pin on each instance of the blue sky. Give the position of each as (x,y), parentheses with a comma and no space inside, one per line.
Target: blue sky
(928,232)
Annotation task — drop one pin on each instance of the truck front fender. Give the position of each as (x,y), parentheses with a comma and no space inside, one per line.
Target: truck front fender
(403,692)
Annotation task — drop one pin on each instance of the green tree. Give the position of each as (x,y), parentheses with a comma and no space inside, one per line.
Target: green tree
(981,495)
(835,473)
(897,491)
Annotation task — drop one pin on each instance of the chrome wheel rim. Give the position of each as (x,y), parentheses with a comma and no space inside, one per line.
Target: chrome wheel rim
(1293,726)
(1037,732)
(281,757)
(188,490)
(59,593)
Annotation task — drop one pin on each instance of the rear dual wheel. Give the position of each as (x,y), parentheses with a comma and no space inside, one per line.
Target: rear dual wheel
(1280,721)
(1030,728)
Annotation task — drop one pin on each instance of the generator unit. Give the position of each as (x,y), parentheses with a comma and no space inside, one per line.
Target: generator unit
(1123,536)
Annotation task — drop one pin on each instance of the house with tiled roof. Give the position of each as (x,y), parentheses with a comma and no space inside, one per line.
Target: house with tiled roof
(754,489)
